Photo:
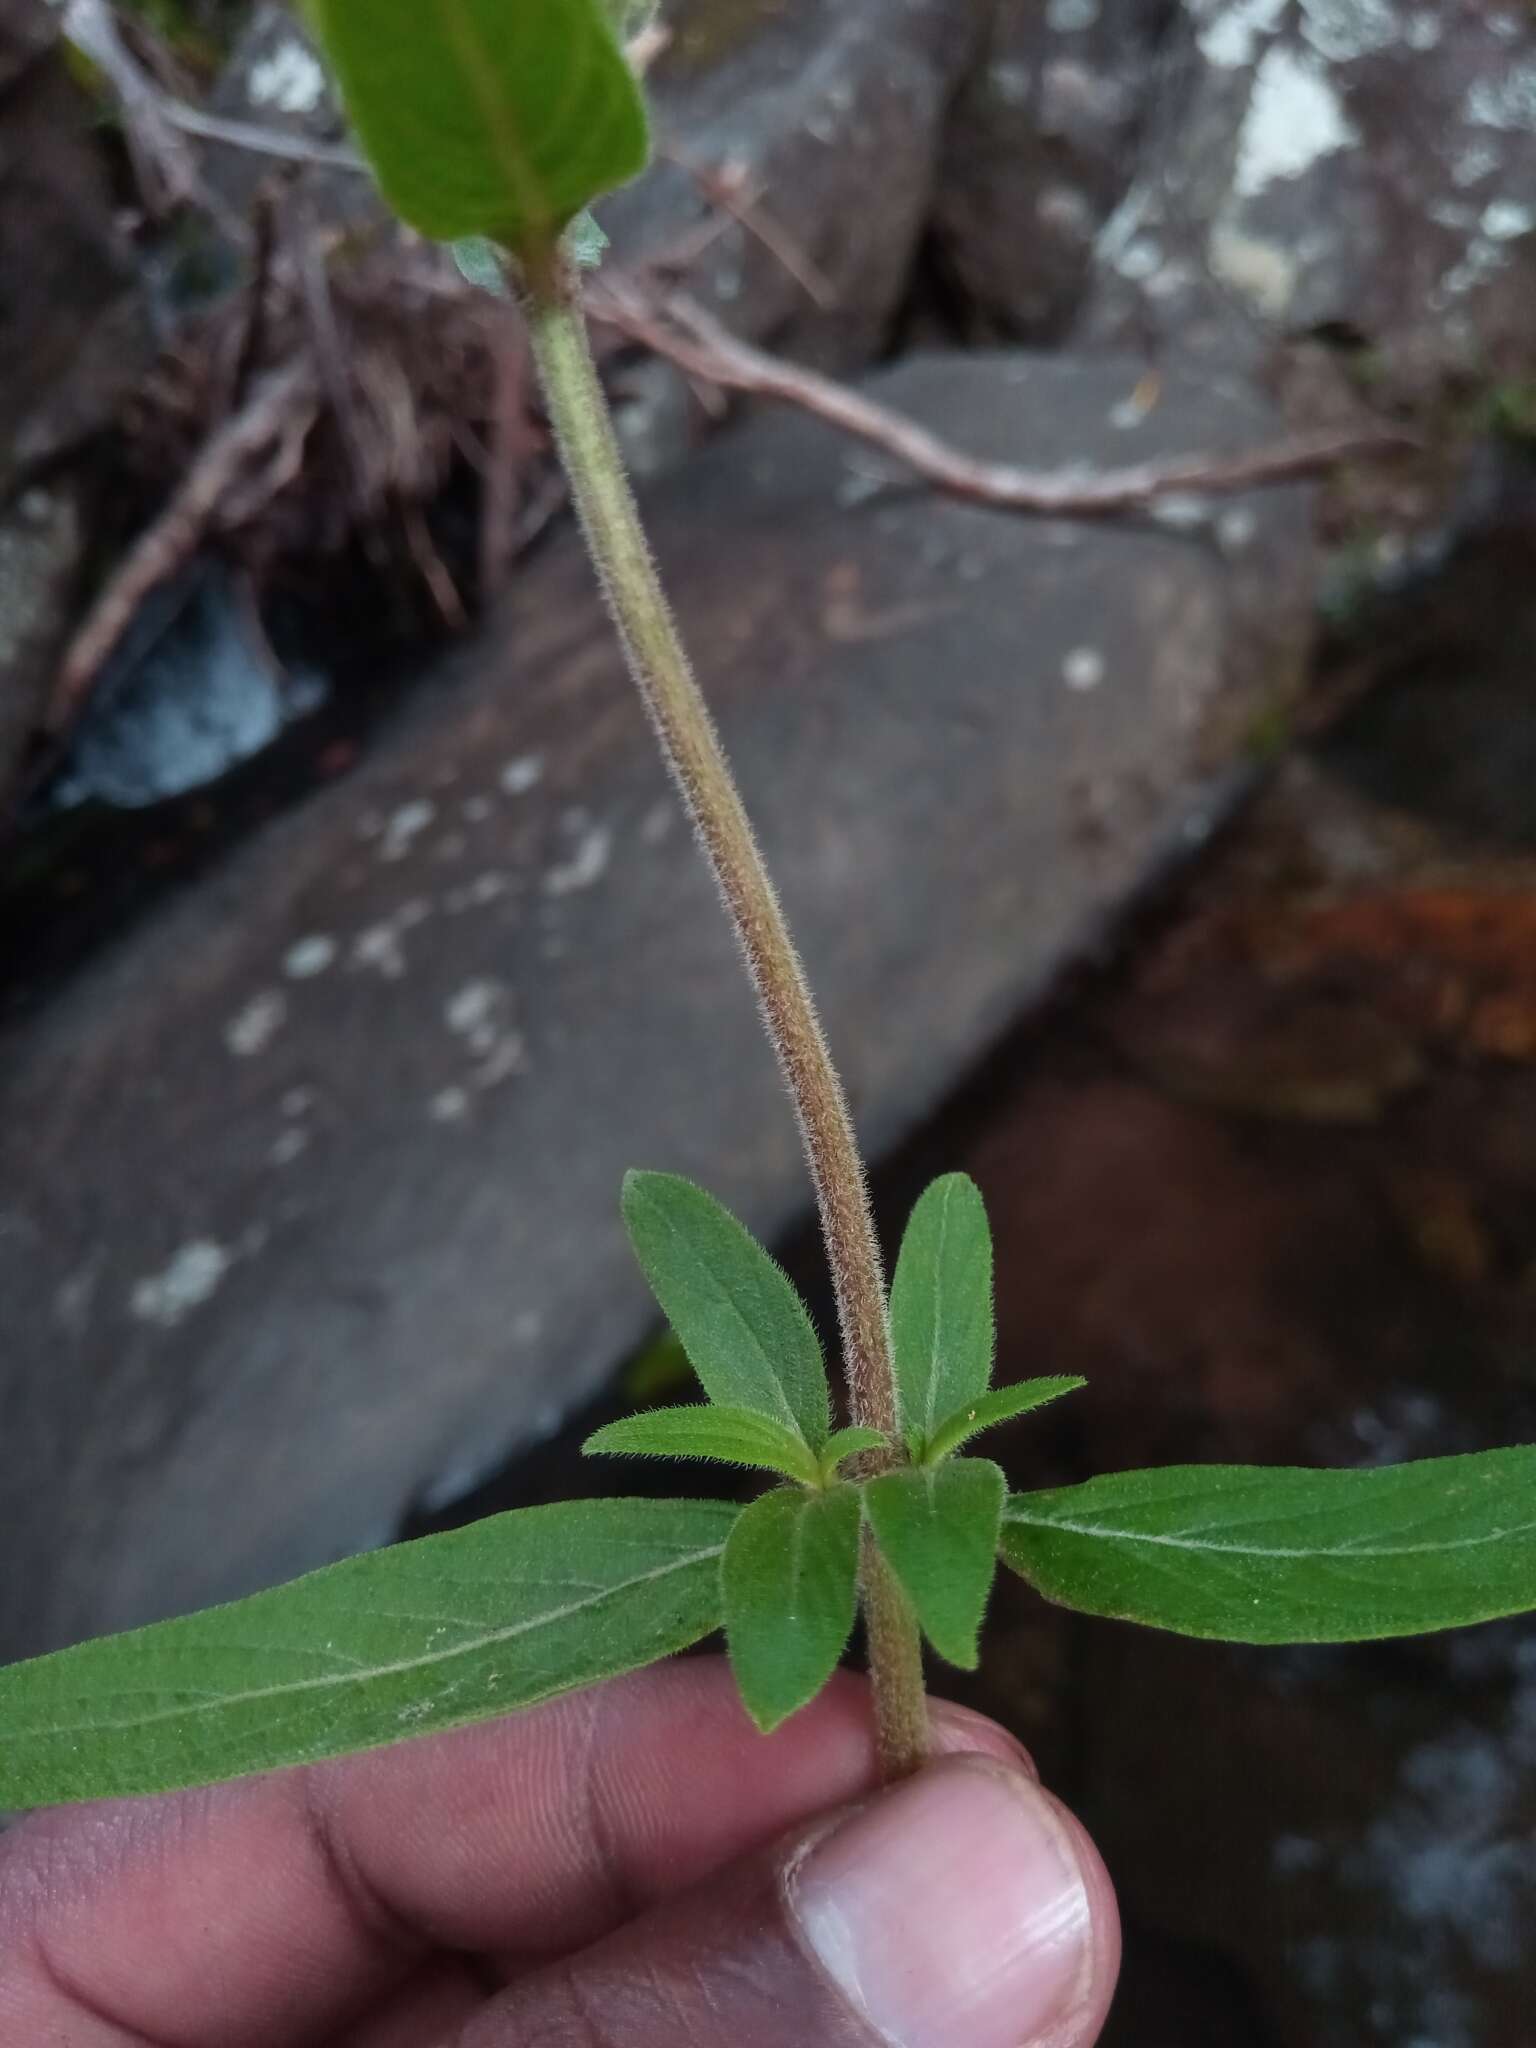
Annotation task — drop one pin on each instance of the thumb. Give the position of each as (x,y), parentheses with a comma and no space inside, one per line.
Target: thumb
(964,1906)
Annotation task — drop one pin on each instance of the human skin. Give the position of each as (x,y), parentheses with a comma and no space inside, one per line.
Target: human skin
(630,1865)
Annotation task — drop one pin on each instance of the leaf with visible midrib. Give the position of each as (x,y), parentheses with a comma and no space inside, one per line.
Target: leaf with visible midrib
(938,1532)
(743,1326)
(1003,1404)
(487,117)
(730,1436)
(399,1642)
(790,1580)
(941,1305)
(1259,1554)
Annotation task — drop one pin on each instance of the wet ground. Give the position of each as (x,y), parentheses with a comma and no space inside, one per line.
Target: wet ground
(1269,1182)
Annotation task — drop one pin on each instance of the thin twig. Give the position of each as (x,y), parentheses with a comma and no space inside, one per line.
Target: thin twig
(253,331)
(272,417)
(261,141)
(156,119)
(433,569)
(309,262)
(728,189)
(166,172)
(681,330)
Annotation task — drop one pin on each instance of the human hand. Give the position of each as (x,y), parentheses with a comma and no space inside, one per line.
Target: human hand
(630,1867)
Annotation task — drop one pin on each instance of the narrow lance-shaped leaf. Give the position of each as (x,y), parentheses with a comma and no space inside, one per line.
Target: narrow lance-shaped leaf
(487,117)
(938,1532)
(398,1642)
(1003,1404)
(743,1326)
(1256,1554)
(790,1578)
(730,1436)
(941,1306)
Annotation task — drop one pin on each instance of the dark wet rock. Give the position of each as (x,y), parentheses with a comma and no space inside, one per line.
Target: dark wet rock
(190,690)
(1349,1828)
(831,110)
(71,342)
(1343,167)
(73,333)
(42,547)
(29,30)
(313,1181)
(1314,1847)
(1039,147)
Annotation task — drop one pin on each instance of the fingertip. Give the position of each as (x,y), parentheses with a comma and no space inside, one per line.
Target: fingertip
(961,1731)
(965,1904)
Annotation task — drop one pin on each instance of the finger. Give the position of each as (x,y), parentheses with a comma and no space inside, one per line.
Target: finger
(282,1908)
(965,1906)
(427,2011)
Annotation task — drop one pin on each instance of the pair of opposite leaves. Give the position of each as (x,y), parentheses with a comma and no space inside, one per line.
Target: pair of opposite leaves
(790,1567)
(522,1606)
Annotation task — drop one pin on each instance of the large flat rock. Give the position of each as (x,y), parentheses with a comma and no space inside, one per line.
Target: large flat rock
(311,1184)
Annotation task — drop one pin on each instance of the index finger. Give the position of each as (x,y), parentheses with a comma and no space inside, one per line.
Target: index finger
(277,1908)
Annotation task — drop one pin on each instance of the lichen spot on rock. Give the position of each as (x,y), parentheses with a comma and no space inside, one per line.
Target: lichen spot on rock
(254,1029)
(192,1276)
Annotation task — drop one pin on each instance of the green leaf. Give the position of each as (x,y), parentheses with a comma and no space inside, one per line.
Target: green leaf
(941,1306)
(846,1443)
(938,1531)
(398,1642)
(790,1578)
(482,264)
(741,1323)
(1001,1405)
(587,241)
(487,117)
(732,1436)
(1257,1554)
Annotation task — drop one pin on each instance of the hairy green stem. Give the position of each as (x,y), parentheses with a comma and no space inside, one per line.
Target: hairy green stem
(895,1648)
(691,746)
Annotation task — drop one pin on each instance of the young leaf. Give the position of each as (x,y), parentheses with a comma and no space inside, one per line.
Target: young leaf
(732,1436)
(398,1642)
(743,1326)
(487,117)
(631,17)
(790,1576)
(481,263)
(843,1443)
(941,1306)
(938,1531)
(1257,1554)
(1001,1405)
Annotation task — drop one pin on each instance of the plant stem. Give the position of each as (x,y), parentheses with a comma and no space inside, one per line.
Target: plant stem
(692,749)
(895,1648)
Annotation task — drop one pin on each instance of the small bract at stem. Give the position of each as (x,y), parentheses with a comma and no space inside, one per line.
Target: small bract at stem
(693,752)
